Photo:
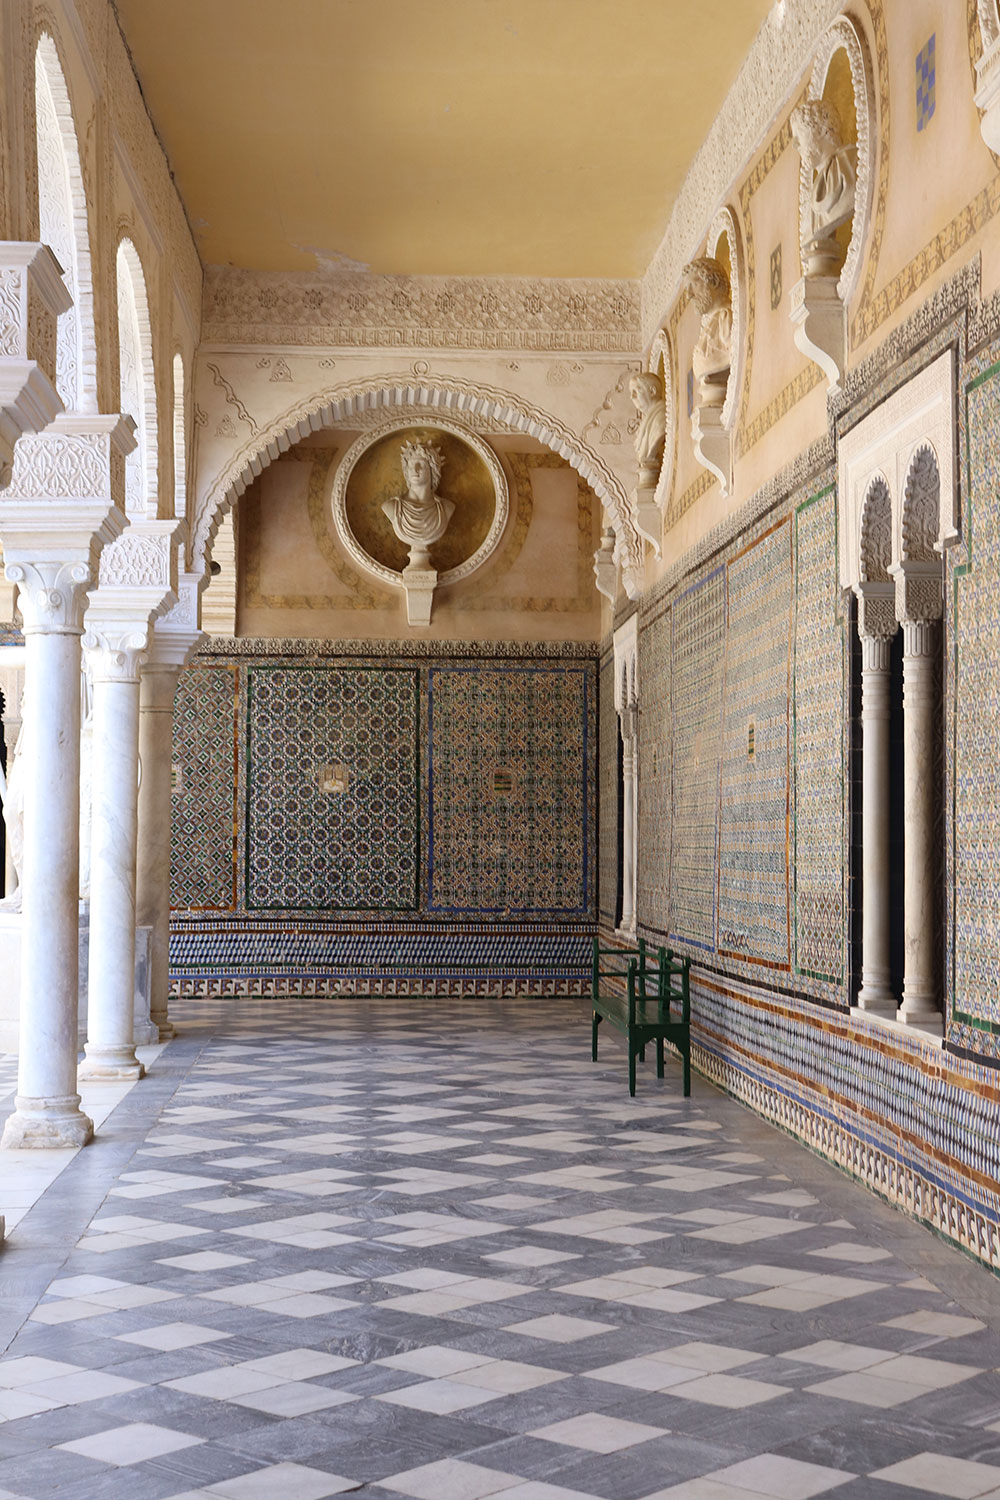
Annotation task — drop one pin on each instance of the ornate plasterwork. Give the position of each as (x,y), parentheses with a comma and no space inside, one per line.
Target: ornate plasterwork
(988,73)
(724,226)
(781,52)
(443,395)
(76,458)
(452,312)
(369,564)
(908,444)
(137,382)
(660,359)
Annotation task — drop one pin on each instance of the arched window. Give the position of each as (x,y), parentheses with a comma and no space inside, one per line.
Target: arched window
(62,212)
(136,385)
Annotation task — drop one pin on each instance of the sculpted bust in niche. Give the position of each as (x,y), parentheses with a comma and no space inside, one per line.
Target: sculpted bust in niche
(646,391)
(819,137)
(708,284)
(420,517)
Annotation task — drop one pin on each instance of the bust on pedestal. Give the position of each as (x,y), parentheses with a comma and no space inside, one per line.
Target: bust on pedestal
(420,518)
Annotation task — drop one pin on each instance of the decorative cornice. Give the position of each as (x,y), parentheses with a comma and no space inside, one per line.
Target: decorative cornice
(781,53)
(311,308)
(222,647)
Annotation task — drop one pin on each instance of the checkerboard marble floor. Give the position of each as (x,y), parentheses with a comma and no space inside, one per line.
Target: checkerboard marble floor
(432,1251)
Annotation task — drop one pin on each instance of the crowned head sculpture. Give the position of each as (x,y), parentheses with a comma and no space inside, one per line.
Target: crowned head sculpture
(420,516)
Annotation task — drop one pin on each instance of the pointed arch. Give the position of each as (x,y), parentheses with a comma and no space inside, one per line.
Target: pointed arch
(447,395)
(137,387)
(62,212)
(922,506)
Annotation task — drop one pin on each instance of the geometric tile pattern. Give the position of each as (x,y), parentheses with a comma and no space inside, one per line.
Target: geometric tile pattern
(607,771)
(926,84)
(202,853)
(655,740)
(818,830)
(696,677)
(312,847)
(753,792)
(976,706)
(510,815)
(441,1255)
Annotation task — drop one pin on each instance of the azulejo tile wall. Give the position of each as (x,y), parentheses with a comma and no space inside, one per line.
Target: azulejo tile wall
(205,765)
(353,817)
(509,778)
(753,788)
(655,778)
(608,776)
(321,839)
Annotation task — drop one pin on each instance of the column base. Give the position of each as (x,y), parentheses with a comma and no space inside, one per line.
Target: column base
(56,1124)
(875,1001)
(920,1010)
(167,1029)
(110,1063)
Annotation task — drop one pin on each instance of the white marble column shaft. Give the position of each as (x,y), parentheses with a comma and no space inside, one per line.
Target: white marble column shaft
(921,776)
(110,1049)
(156,720)
(47,1107)
(876,986)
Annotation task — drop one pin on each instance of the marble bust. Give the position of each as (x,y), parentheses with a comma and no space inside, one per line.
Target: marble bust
(708,283)
(646,390)
(420,517)
(819,137)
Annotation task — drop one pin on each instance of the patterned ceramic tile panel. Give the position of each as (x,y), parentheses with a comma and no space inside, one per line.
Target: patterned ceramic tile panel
(753,787)
(202,850)
(607,771)
(319,839)
(510,820)
(976,813)
(654,775)
(818,829)
(696,707)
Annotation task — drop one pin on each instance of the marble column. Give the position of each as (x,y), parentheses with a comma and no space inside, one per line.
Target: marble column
(629,807)
(921,788)
(876,987)
(57,514)
(174,641)
(138,580)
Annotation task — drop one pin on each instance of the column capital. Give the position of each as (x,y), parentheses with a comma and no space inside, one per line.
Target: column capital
(876,652)
(919,591)
(137,583)
(876,609)
(176,636)
(32,295)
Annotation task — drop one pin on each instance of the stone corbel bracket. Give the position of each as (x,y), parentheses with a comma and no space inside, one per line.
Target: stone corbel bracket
(988,74)
(32,295)
(606,565)
(650,501)
(177,632)
(818,304)
(712,426)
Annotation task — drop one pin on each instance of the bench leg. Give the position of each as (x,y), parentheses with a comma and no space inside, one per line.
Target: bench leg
(687,1071)
(593,1039)
(631,1071)
(659,1057)
(642,1053)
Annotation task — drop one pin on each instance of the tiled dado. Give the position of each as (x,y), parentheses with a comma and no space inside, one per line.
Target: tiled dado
(263,959)
(891,1108)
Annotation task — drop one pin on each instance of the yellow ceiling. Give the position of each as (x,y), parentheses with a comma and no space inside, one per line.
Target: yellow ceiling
(462,137)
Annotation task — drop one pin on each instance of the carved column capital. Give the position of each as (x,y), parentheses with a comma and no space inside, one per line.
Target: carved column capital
(115,653)
(919,591)
(52,595)
(137,584)
(875,652)
(32,295)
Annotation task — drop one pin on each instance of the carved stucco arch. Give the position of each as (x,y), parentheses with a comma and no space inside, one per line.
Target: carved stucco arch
(725,226)
(844,35)
(135,341)
(64,224)
(179,393)
(875,547)
(450,397)
(661,362)
(921,506)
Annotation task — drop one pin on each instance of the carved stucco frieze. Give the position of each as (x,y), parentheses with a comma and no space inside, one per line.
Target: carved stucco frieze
(75,458)
(325,308)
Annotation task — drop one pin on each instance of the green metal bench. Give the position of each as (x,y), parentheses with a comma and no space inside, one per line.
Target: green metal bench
(620,993)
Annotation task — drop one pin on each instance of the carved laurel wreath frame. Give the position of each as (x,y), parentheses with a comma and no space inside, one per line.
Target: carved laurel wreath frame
(844,35)
(725,225)
(661,362)
(338,501)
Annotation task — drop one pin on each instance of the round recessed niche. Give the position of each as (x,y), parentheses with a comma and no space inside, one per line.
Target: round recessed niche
(371,474)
